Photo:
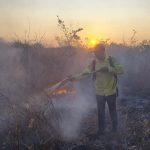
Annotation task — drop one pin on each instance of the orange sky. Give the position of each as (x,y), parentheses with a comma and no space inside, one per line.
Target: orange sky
(102,19)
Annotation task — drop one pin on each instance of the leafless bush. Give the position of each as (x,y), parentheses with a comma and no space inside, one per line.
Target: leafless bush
(70,37)
(35,123)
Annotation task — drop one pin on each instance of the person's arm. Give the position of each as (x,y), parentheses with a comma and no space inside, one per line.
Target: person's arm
(116,68)
(84,73)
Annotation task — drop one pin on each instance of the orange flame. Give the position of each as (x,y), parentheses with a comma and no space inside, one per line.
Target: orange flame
(61,91)
(64,92)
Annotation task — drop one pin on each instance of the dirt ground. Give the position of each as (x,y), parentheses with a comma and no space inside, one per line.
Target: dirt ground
(133,132)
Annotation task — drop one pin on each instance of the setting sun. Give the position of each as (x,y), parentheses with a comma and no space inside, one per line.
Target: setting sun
(92,42)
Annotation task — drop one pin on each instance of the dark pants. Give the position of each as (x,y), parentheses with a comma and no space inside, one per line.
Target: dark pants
(111,101)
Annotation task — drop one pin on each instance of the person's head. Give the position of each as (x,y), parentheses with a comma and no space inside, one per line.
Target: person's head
(99,51)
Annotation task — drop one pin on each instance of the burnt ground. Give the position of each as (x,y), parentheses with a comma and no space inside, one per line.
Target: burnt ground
(133,132)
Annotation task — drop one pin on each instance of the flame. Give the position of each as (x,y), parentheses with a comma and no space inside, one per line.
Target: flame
(61,91)
(64,92)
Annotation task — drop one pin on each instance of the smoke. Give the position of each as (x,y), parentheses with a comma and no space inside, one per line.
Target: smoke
(12,80)
(12,72)
(27,71)
(77,108)
(135,61)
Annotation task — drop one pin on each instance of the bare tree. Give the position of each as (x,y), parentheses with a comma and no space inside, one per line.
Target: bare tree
(70,37)
(133,40)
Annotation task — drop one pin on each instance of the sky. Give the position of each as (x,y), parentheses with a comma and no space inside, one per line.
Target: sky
(100,19)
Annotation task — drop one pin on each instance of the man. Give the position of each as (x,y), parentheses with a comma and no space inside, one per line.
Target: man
(105,78)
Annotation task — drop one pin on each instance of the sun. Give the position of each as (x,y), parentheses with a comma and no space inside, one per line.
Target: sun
(92,43)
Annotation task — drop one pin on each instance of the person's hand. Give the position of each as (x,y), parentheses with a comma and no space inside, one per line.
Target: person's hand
(104,69)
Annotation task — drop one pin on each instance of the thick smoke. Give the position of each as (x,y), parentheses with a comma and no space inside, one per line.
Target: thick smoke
(135,60)
(26,71)
(25,74)
(77,107)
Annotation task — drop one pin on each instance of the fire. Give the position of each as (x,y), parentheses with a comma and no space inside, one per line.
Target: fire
(61,91)
(64,92)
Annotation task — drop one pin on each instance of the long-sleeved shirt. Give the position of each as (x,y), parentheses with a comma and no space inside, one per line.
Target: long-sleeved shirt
(105,82)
